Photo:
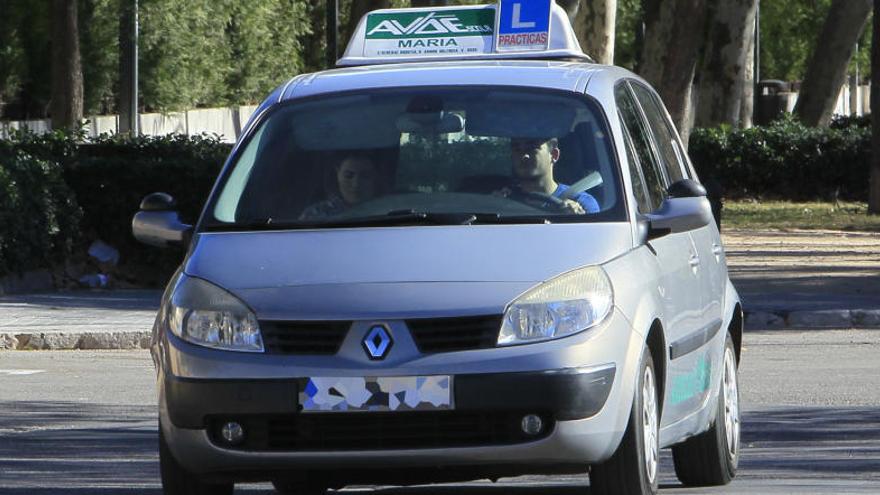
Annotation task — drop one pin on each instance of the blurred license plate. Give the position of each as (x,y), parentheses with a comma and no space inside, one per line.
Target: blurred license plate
(376,393)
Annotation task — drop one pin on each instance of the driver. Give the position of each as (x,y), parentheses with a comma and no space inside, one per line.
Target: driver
(356,180)
(533,161)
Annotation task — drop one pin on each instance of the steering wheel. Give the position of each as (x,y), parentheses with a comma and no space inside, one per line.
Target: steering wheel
(540,200)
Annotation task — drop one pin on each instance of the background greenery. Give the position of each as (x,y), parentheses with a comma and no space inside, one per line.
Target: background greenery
(206,53)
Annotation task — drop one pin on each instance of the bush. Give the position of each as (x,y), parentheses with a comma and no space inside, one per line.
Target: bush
(39,216)
(109,177)
(786,160)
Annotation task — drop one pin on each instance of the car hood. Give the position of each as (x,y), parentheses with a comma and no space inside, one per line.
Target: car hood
(389,272)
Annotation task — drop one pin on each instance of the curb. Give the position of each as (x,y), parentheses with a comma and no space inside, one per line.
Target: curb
(75,341)
(837,318)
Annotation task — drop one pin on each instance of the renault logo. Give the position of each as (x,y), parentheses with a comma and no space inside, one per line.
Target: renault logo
(378,342)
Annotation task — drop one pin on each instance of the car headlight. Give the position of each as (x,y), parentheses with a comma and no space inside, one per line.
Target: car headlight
(563,306)
(206,315)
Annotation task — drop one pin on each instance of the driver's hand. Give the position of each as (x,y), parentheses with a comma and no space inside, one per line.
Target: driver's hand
(573,207)
(504,192)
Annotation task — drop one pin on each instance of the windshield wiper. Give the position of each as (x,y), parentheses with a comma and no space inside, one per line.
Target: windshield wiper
(390,219)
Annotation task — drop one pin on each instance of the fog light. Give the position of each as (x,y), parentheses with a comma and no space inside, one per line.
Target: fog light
(532,424)
(232,433)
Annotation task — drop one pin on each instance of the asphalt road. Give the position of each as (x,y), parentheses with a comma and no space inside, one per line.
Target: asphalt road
(81,422)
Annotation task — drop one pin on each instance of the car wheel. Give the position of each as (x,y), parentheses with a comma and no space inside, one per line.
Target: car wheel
(633,469)
(711,458)
(298,488)
(178,481)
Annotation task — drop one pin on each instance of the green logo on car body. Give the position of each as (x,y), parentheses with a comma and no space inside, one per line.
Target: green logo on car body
(443,23)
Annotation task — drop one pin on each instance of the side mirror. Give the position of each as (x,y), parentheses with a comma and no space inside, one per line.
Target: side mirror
(687,188)
(678,215)
(158,223)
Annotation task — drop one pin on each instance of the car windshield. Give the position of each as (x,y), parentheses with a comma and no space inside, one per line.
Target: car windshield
(423,156)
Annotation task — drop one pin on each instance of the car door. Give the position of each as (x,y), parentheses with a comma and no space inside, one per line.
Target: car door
(679,285)
(692,360)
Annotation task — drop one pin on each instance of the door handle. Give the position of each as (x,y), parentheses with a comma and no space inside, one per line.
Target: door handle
(694,261)
(718,251)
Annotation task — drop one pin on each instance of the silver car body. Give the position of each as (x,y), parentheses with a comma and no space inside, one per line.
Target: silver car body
(677,285)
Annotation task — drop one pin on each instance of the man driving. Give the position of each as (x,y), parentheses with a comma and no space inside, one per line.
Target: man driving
(533,161)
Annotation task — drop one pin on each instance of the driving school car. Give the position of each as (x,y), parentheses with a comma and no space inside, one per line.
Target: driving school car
(468,252)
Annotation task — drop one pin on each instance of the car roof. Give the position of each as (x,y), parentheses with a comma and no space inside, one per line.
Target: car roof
(545,74)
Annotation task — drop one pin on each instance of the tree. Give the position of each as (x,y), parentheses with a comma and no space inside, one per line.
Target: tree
(874,195)
(595,25)
(429,3)
(828,65)
(359,8)
(67,79)
(673,33)
(723,71)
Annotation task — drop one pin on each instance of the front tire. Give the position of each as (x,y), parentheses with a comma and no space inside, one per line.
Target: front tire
(711,458)
(176,480)
(634,467)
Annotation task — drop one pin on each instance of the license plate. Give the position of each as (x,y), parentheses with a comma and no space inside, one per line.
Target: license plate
(376,394)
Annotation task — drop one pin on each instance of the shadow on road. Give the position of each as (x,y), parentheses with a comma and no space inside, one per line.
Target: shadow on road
(73,448)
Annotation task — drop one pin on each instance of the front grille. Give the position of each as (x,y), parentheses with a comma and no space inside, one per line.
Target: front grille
(381,431)
(303,337)
(455,334)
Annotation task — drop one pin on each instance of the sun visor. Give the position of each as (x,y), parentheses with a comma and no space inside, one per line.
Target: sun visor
(538,119)
(349,123)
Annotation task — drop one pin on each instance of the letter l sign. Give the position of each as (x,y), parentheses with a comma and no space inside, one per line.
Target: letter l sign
(516,22)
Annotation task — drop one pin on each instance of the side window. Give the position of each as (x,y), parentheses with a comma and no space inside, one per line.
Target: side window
(638,182)
(632,121)
(664,133)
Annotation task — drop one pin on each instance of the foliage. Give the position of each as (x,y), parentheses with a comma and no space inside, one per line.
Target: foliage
(108,178)
(626,44)
(785,160)
(39,216)
(99,50)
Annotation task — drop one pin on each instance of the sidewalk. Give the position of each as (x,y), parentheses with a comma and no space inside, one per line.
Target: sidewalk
(798,279)
(806,278)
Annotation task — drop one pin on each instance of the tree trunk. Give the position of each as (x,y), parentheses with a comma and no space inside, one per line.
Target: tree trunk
(594,25)
(572,7)
(723,72)
(827,70)
(359,8)
(674,30)
(67,80)
(874,194)
(747,106)
(315,43)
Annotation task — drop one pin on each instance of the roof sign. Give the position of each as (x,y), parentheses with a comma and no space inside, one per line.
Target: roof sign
(523,25)
(508,29)
(436,32)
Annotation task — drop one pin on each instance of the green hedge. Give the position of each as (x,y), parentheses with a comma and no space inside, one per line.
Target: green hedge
(39,215)
(108,178)
(786,160)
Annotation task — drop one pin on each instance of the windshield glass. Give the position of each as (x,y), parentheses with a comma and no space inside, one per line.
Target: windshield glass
(439,156)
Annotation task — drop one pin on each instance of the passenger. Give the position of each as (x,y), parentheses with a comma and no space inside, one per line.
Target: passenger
(533,161)
(356,182)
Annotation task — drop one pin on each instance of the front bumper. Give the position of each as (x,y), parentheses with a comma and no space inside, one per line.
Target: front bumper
(582,386)
(565,394)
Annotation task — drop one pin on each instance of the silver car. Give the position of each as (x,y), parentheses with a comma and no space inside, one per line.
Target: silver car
(454,269)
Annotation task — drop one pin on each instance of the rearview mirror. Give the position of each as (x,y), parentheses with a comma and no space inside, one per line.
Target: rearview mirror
(158,223)
(429,123)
